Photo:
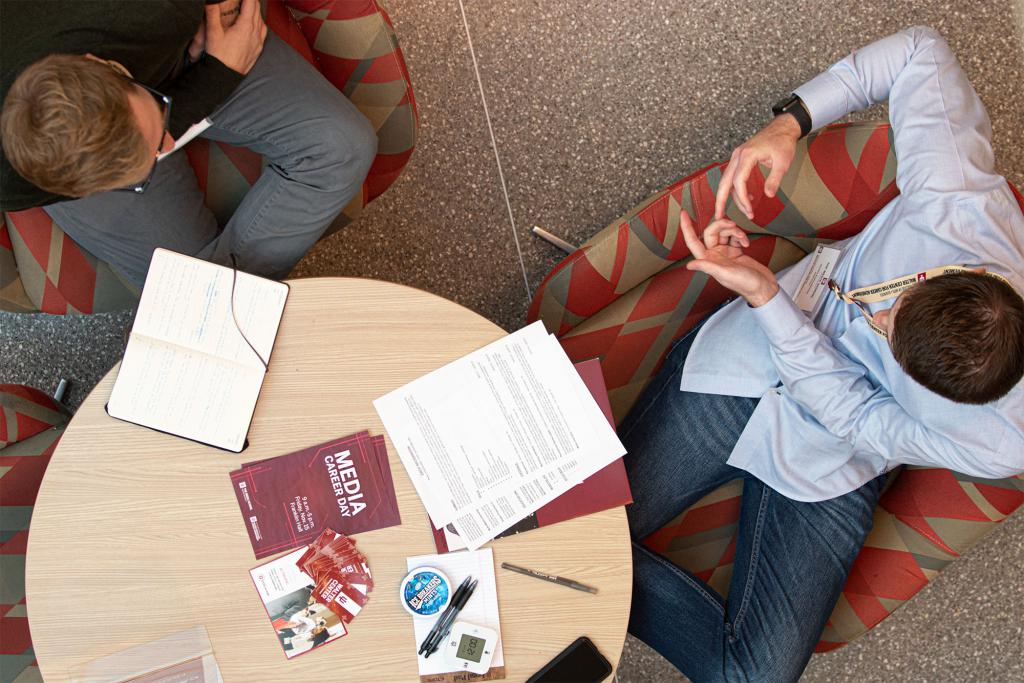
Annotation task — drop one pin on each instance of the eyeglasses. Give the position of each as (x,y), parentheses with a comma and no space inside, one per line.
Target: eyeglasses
(164,102)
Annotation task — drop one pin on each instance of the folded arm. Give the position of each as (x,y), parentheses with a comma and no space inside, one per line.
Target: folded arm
(198,91)
(232,35)
(941,129)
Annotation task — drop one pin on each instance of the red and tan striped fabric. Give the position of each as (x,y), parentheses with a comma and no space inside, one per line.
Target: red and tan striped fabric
(12,290)
(926,519)
(352,42)
(25,412)
(54,273)
(31,424)
(626,295)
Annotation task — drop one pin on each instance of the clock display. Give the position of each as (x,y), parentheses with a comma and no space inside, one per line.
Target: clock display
(470,647)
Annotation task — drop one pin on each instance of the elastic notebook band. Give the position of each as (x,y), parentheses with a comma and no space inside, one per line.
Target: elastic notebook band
(234,280)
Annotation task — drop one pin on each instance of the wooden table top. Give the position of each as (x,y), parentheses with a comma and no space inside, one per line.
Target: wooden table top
(137,535)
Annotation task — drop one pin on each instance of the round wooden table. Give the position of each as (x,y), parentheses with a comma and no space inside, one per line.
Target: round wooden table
(136,535)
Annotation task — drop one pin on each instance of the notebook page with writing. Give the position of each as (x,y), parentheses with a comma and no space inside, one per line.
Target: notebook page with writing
(187,369)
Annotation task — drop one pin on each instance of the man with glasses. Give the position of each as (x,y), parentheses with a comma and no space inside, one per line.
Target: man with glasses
(912,353)
(166,144)
(96,93)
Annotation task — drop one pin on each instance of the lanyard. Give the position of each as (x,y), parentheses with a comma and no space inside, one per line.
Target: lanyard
(890,289)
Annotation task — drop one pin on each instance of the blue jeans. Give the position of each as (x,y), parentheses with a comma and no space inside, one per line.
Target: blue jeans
(791,560)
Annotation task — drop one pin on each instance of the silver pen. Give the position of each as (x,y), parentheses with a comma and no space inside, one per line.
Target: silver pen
(549,577)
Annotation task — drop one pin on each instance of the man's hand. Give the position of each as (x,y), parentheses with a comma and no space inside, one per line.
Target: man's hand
(773,146)
(721,256)
(198,44)
(229,12)
(237,45)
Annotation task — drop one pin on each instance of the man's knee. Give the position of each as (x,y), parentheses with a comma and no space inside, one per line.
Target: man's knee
(363,149)
(346,148)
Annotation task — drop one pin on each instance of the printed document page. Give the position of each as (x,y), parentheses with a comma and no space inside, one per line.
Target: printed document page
(545,485)
(187,369)
(493,436)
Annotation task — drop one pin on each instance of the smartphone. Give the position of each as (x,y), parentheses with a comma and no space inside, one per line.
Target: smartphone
(578,663)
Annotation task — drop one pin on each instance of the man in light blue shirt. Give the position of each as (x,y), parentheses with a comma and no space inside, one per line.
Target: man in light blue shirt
(812,408)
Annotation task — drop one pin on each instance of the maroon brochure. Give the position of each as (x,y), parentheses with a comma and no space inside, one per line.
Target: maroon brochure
(606,488)
(344,484)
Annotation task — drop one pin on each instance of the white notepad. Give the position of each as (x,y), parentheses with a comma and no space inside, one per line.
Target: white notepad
(481,609)
(187,369)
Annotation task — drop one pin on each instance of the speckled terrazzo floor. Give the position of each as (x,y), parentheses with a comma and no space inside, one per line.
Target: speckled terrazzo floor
(594,106)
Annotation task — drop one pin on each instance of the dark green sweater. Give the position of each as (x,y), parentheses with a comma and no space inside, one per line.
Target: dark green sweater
(149,37)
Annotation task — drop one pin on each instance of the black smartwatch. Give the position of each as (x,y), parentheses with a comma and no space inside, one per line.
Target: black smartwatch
(795,106)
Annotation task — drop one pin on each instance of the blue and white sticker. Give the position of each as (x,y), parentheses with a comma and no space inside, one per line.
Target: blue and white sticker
(425,591)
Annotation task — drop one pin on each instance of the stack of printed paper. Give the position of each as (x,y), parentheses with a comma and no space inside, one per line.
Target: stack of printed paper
(493,436)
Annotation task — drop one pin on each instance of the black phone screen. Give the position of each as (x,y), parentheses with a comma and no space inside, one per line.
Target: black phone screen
(578,663)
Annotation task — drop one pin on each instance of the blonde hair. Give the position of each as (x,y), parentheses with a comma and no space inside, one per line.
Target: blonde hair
(68,128)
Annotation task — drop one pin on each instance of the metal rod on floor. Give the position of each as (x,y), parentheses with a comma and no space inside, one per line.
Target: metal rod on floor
(62,388)
(553,239)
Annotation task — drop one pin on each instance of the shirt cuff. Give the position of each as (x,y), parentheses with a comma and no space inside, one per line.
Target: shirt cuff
(780,319)
(199,91)
(825,99)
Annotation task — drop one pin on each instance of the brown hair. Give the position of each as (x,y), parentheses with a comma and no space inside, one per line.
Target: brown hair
(68,128)
(962,336)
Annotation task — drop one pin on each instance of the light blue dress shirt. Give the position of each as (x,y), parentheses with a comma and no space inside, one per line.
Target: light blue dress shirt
(836,409)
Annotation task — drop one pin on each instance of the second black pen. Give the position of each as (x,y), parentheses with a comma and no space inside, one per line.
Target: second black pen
(433,631)
(448,621)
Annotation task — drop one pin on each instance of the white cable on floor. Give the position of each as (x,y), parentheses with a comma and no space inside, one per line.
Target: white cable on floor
(497,157)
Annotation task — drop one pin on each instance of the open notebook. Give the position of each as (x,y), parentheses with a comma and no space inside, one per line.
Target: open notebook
(187,369)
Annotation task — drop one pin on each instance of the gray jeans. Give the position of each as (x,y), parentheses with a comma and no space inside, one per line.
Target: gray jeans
(318,146)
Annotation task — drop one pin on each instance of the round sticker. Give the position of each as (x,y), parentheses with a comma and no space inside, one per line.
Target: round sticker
(425,591)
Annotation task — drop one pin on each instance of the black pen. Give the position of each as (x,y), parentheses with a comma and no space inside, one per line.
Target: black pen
(452,617)
(561,581)
(443,624)
(433,631)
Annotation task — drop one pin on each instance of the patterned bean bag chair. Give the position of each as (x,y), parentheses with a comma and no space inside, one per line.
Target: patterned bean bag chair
(31,424)
(626,295)
(352,42)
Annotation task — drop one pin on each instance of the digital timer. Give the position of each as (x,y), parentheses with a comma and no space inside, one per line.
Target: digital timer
(470,648)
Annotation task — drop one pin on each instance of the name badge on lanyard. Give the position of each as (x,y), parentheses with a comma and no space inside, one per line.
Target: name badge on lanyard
(814,283)
(891,289)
